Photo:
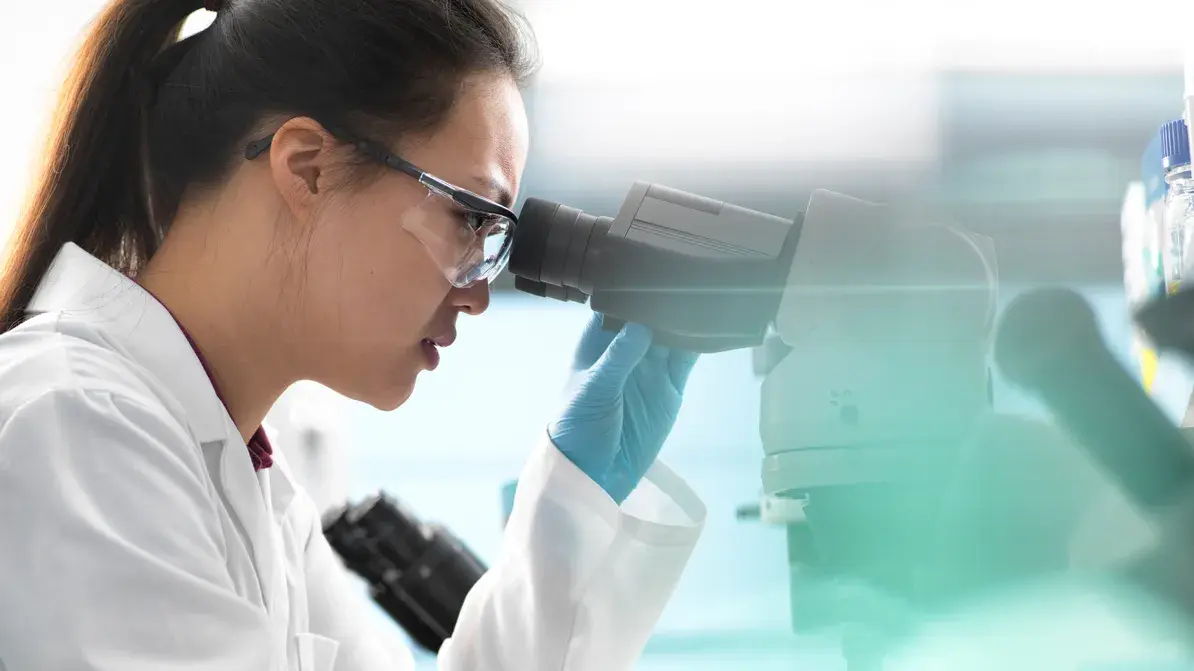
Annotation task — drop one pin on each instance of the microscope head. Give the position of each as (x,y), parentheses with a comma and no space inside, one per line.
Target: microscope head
(706,276)
(883,320)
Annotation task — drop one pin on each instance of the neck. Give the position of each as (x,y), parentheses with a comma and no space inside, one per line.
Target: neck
(212,287)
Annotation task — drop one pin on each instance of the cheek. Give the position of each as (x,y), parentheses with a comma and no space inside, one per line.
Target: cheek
(377,278)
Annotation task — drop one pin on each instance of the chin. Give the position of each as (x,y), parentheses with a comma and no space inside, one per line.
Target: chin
(385,387)
(393,397)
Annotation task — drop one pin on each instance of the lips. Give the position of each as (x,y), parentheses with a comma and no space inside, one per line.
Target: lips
(432,344)
(444,340)
(430,354)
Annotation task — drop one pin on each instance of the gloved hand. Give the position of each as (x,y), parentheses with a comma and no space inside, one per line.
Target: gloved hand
(623,401)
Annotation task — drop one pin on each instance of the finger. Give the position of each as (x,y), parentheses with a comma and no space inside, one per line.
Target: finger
(592,344)
(680,365)
(622,356)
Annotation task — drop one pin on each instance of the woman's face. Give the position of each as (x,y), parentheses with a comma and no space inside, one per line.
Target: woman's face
(375,304)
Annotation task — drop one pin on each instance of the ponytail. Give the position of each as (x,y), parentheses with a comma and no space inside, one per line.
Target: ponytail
(91,188)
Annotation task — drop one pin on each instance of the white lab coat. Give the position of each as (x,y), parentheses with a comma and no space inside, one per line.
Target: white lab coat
(135,534)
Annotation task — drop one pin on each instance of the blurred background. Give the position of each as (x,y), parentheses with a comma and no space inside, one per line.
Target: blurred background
(1023,120)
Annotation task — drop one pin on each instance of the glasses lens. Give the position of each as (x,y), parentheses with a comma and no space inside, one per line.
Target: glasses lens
(488,251)
(469,246)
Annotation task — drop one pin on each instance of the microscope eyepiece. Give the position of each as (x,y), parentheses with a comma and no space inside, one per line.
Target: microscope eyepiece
(704,275)
(550,246)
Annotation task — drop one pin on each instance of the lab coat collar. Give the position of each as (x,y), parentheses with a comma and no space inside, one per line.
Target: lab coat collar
(80,285)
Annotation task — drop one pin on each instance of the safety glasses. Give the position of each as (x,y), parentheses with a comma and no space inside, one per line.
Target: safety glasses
(477,250)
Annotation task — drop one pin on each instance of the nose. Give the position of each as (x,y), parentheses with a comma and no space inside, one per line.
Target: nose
(471,300)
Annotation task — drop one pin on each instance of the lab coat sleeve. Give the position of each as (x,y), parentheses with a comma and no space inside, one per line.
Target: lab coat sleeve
(112,557)
(580,582)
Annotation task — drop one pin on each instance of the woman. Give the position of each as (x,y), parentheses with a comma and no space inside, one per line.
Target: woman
(306,190)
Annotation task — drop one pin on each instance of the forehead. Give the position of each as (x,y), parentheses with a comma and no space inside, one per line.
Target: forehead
(482,146)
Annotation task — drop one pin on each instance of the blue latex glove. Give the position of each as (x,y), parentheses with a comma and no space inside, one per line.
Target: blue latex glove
(623,401)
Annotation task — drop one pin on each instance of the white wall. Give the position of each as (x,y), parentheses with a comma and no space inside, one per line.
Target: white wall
(37,42)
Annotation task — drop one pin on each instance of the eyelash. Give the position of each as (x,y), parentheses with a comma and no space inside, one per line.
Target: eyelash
(467,218)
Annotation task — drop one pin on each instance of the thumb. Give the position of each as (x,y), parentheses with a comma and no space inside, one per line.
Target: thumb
(593,343)
(622,356)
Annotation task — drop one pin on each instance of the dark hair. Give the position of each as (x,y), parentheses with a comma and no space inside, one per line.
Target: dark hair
(143,116)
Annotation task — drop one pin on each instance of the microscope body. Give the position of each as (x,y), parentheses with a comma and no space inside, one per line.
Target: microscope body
(874,378)
(885,328)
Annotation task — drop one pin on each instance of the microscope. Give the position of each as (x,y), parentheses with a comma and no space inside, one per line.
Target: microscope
(871,332)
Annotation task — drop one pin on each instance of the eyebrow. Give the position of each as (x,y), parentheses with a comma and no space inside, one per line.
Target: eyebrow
(495,191)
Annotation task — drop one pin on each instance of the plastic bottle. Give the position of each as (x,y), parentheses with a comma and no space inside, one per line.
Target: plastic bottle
(1179,203)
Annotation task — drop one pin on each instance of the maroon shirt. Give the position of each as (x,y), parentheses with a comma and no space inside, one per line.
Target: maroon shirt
(260,450)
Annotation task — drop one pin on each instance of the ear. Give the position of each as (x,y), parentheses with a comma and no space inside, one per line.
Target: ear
(300,160)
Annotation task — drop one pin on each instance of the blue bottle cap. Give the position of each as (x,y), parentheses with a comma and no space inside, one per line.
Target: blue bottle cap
(1175,144)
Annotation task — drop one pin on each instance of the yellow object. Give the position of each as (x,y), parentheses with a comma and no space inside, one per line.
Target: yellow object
(1148,367)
